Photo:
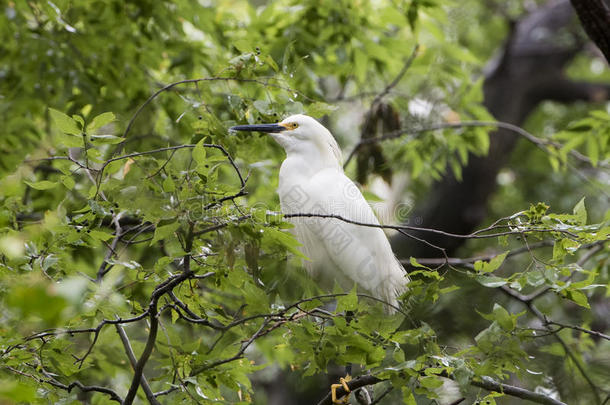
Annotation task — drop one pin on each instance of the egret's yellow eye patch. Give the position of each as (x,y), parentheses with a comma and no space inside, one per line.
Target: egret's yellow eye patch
(290,125)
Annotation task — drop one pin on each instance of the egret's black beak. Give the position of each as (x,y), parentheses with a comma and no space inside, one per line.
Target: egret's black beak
(259,128)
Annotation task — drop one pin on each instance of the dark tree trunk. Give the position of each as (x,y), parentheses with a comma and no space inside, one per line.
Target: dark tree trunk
(594,15)
(529,71)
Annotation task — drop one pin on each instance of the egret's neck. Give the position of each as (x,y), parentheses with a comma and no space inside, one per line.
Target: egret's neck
(312,157)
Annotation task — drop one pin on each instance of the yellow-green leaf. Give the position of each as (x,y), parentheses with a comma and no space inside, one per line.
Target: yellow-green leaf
(164,231)
(493,264)
(65,124)
(101,120)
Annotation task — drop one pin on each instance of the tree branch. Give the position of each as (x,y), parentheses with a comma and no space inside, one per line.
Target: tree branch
(594,16)
(543,319)
(486,383)
(132,360)
(491,385)
(161,289)
(85,388)
(578,328)
(473,235)
(543,144)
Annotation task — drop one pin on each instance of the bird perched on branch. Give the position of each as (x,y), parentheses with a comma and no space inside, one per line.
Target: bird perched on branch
(312,181)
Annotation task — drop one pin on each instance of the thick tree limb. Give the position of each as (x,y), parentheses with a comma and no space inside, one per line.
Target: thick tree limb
(594,16)
(530,70)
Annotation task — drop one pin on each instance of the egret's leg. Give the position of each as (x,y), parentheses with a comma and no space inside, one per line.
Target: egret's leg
(349,315)
(342,383)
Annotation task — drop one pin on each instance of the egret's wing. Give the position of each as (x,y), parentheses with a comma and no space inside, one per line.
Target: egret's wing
(360,254)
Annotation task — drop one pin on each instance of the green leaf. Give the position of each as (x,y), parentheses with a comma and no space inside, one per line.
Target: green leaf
(578,297)
(199,153)
(262,106)
(414,263)
(243,46)
(505,320)
(168,185)
(407,396)
(490,281)
(101,235)
(348,302)
(164,231)
(17,392)
(68,181)
(69,141)
(65,124)
(493,264)
(41,185)
(360,59)
(430,382)
(593,150)
(285,239)
(101,120)
(463,375)
(319,109)
(79,119)
(272,63)
(563,247)
(600,114)
(580,211)
(556,349)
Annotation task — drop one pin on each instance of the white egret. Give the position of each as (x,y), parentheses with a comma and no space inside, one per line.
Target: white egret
(312,181)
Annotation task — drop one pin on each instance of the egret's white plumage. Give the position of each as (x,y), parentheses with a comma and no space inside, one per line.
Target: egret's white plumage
(312,181)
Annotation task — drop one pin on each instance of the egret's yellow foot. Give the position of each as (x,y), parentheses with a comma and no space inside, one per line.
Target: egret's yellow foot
(342,383)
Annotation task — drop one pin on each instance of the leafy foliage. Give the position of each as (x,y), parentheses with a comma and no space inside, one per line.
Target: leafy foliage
(128,207)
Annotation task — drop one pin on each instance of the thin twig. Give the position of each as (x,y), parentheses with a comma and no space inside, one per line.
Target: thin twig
(532,308)
(578,328)
(541,143)
(397,79)
(205,79)
(69,387)
(471,260)
(473,235)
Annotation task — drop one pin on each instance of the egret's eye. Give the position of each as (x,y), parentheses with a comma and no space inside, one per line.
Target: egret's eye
(292,125)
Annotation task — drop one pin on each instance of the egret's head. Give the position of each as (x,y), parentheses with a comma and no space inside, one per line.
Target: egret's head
(299,134)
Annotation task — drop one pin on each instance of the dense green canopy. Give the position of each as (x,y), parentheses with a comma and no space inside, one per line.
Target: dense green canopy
(142,254)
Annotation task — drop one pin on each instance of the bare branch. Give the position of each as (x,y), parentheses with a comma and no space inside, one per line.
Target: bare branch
(205,79)
(132,360)
(85,388)
(163,288)
(543,144)
(485,383)
(578,328)
(470,260)
(397,79)
(530,306)
(491,385)
(118,233)
(237,355)
(473,235)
